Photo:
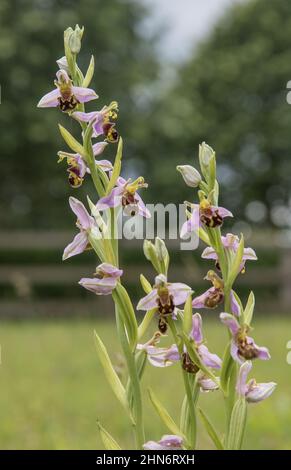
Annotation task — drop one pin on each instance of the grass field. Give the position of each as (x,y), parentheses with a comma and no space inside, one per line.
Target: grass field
(53,389)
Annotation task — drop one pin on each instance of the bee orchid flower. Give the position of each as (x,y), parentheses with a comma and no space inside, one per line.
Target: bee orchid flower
(168,442)
(231,244)
(204,214)
(125,195)
(159,357)
(165,297)
(77,167)
(243,346)
(85,224)
(102,121)
(214,296)
(104,280)
(252,391)
(66,96)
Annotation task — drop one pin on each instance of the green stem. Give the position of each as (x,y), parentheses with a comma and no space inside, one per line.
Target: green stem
(188,390)
(133,375)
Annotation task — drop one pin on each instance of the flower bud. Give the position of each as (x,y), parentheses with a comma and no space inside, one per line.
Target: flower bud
(205,154)
(190,175)
(75,39)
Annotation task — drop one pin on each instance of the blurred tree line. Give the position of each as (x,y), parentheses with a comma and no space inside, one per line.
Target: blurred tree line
(231,93)
(34,190)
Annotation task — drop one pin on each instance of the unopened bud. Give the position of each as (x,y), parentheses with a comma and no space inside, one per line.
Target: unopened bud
(205,154)
(190,175)
(75,40)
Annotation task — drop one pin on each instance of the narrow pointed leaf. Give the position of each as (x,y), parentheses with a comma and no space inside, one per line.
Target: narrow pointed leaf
(71,141)
(165,416)
(237,425)
(108,441)
(249,310)
(145,284)
(146,322)
(121,297)
(235,268)
(225,373)
(89,73)
(210,430)
(187,318)
(116,167)
(110,373)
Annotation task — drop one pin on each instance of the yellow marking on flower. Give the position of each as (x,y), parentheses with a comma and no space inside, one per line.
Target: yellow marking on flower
(135,185)
(215,279)
(204,204)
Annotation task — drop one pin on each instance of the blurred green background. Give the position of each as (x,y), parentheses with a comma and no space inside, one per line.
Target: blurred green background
(182,73)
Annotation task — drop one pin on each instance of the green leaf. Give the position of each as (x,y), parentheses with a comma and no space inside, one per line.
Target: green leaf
(165,416)
(110,373)
(145,323)
(116,167)
(210,430)
(71,141)
(187,318)
(140,361)
(121,297)
(162,255)
(235,267)
(227,365)
(89,74)
(145,284)
(203,236)
(237,425)
(249,310)
(151,255)
(212,172)
(238,301)
(108,441)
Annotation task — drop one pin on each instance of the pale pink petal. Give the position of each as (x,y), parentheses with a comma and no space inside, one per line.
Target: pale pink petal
(249,254)
(109,269)
(84,95)
(84,219)
(142,210)
(112,200)
(207,384)
(77,246)
(103,286)
(234,352)
(193,223)
(209,359)
(50,100)
(179,291)
(260,392)
(223,212)
(149,301)
(196,332)
(241,386)
(85,117)
(99,147)
(106,165)
(234,305)
(209,253)
(230,321)
(199,301)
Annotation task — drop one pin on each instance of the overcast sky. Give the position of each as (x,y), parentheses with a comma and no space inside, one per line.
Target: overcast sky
(187,21)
